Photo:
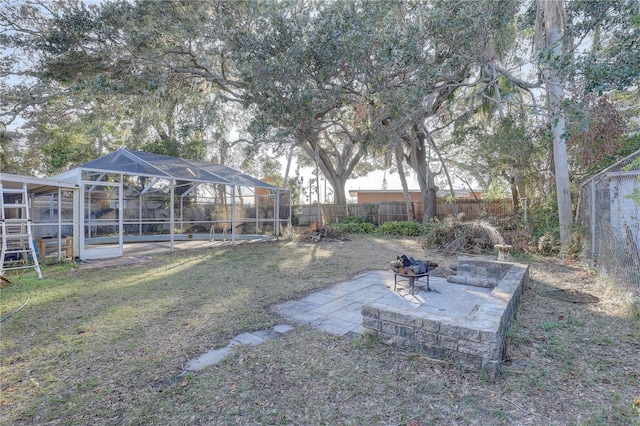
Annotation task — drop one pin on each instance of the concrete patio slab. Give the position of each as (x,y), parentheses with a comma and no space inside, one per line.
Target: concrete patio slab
(344,301)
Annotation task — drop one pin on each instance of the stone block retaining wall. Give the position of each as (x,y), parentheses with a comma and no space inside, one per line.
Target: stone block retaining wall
(474,341)
(483,268)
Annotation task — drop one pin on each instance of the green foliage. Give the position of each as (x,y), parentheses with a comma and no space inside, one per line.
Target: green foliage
(615,59)
(500,153)
(191,149)
(66,150)
(8,161)
(549,244)
(353,227)
(497,190)
(543,218)
(403,228)
(160,76)
(103,72)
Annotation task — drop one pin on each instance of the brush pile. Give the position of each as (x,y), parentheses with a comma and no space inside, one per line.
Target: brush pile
(463,237)
(316,232)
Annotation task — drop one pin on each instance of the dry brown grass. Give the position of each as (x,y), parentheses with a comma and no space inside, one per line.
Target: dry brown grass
(106,346)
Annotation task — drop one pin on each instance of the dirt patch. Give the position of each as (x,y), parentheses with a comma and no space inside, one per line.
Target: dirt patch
(573,296)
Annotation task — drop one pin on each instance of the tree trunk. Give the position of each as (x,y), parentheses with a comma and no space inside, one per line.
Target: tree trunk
(560,162)
(335,168)
(339,193)
(514,195)
(518,184)
(553,30)
(446,172)
(403,180)
(418,161)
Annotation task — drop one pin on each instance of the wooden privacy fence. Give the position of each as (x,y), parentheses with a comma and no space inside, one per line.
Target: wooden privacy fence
(379,213)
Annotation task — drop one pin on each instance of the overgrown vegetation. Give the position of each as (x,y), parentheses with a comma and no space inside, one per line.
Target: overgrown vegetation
(454,235)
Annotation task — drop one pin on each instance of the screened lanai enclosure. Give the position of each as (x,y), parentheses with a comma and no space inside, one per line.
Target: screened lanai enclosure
(129,196)
(37,220)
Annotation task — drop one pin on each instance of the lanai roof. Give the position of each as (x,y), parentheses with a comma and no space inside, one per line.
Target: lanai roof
(35,185)
(163,166)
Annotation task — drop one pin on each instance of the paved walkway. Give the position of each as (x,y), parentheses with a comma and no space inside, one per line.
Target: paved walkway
(255,338)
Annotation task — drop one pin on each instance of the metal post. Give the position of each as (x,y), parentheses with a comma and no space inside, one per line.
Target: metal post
(89,214)
(257,198)
(121,214)
(172,213)
(276,214)
(593,221)
(59,224)
(233,214)
(50,214)
(78,219)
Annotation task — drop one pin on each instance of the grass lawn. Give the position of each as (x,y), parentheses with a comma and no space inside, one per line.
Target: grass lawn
(105,346)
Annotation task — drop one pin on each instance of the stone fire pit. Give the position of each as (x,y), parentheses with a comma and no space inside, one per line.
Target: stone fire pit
(466,324)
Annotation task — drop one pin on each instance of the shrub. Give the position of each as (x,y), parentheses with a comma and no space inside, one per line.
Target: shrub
(573,247)
(403,229)
(543,219)
(353,227)
(549,244)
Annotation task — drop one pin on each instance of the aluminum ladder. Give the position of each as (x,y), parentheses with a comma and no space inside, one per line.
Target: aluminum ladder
(18,251)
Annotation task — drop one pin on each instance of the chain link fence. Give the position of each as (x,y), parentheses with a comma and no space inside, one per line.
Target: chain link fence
(609,210)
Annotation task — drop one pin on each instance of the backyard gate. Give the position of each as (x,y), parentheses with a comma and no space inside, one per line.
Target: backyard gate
(609,210)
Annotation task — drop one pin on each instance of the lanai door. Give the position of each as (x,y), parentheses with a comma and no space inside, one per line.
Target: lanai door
(101,214)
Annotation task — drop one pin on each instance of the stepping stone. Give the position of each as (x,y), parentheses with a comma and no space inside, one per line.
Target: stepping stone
(283,328)
(207,359)
(249,339)
(214,356)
